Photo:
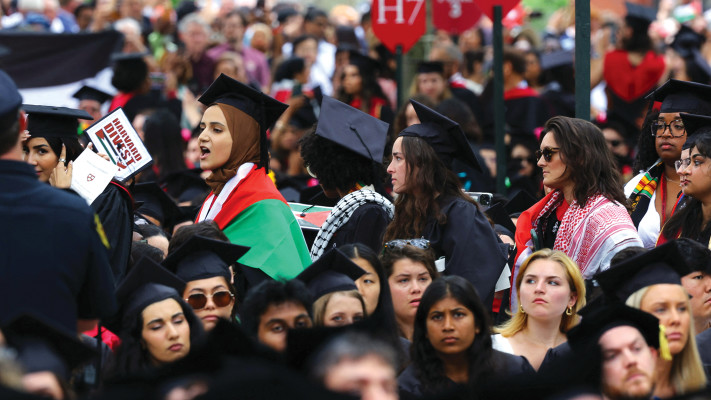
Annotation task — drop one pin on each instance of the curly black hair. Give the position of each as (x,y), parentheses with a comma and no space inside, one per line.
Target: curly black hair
(647,151)
(337,167)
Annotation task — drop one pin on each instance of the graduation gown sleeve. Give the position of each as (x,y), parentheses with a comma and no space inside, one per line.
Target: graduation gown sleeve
(469,245)
(114,208)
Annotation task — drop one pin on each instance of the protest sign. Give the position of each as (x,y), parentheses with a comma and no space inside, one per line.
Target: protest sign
(115,136)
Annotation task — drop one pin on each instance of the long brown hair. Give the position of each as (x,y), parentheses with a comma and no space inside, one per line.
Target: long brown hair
(589,160)
(428,176)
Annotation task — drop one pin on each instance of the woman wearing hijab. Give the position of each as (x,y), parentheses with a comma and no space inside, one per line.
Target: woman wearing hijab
(244,201)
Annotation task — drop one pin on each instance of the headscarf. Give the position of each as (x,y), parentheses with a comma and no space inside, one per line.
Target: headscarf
(245,145)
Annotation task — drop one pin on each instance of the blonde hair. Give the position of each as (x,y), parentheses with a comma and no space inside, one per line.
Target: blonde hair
(519,319)
(319,306)
(687,372)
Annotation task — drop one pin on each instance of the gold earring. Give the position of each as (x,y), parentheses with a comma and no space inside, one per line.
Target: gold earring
(569,311)
(520,309)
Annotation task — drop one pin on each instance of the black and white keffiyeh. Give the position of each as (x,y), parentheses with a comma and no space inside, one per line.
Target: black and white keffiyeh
(342,212)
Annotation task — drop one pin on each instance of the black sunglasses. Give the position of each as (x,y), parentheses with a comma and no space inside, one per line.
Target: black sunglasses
(547,153)
(221,299)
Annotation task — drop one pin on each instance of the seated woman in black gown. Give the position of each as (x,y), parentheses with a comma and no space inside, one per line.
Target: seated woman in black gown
(452,345)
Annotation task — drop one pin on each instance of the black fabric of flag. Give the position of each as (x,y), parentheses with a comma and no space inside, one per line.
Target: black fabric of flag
(39,60)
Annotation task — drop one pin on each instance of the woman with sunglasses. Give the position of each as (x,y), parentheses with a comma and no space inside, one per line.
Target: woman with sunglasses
(155,325)
(431,204)
(652,194)
(452,345)
(694,219)
(410,268)
(204,264)
(584,215)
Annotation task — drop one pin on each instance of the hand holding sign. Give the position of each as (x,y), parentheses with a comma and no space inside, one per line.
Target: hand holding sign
(116,136)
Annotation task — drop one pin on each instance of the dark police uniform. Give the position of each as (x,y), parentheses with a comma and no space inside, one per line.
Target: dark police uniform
(53,254)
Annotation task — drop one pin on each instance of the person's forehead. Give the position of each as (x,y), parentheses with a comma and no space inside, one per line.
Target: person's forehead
(285,310)
(619,337)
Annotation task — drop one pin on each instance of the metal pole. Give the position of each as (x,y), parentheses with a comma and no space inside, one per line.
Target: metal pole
(499,118)
(582,59)
(399,76)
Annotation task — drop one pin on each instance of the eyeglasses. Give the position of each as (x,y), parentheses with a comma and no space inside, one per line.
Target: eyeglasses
(676,128)
(221,299)
(421,243)
(614,143)
(682,164)
(547,153)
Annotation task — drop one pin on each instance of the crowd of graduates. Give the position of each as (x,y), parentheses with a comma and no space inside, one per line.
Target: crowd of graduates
(298,234)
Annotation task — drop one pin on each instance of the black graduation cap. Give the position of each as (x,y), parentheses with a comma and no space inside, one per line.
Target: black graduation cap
(201,258)
(252,276)
(557,59)
(225,90)
(443,134)
(333,272)
(186,185)
(90,93)
(50,121)
(10,99)
(264,109)
(600,317)
(640,12)
(681,96)
(500,216)
(687,43)
(352,129)
(425,67)
(696,124)
(520,202)
(43,345)
(660,265)
(147,283)
(155,203)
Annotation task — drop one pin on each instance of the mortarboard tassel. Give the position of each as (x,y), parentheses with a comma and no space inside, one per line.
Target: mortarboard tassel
(664,344)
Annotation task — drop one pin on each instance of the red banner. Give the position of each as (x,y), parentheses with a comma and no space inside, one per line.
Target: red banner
(398,22)
(455,16)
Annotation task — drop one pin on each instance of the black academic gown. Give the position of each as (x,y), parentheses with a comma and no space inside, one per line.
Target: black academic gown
(114,206)
(366,225)
(469,245)
(505,366)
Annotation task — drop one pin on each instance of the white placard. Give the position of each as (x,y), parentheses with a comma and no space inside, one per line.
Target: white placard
(115,136)
(91,174)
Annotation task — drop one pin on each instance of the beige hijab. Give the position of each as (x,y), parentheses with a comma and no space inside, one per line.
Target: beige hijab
(245,145)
